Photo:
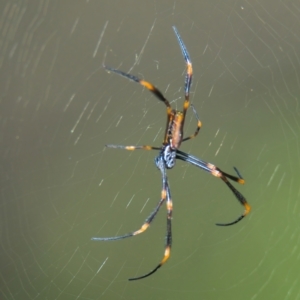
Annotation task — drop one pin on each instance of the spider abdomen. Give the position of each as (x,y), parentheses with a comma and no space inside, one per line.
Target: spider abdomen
(176,129)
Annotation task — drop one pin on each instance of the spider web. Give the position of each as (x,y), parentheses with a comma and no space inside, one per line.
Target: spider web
(60,186)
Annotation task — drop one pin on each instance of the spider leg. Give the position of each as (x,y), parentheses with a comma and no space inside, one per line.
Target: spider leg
(189,71)
(199,124)
(152,89)
(131,148)
(143,228)
(215,171)
(224,176)
(166,194)
(144,83)
(240,198)
(238,179)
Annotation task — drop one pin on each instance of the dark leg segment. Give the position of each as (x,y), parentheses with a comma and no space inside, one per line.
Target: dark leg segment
(199,124)
(144,83)
(240,198)
(224,176)
(167,195)
(189,72)
(141,230)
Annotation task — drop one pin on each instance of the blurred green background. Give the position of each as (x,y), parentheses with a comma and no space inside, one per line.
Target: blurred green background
(60,186)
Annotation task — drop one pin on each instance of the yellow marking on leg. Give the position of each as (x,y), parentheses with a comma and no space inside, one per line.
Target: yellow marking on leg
(169,205)
(163,194)
(131,148)
(166,256)
(247,208)
(147,147)
(147,85)
(211,166)
(186,104)
(218,174)
(241,181)
(143,228)
(189,69)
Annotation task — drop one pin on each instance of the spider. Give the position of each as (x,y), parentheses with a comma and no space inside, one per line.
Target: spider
(169,152)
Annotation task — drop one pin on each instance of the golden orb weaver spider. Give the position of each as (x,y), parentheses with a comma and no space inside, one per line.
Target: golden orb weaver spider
(169,152)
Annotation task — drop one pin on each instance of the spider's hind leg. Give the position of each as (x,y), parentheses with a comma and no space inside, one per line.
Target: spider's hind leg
(236,193)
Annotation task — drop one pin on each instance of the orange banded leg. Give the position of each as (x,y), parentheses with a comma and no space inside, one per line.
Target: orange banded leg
(218,173)
(209,167)
(131,148)
(189,71)
(143,228)
(240,198)
(224,176)
(167,252)
(199,124)
(144,83)
(169,203)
